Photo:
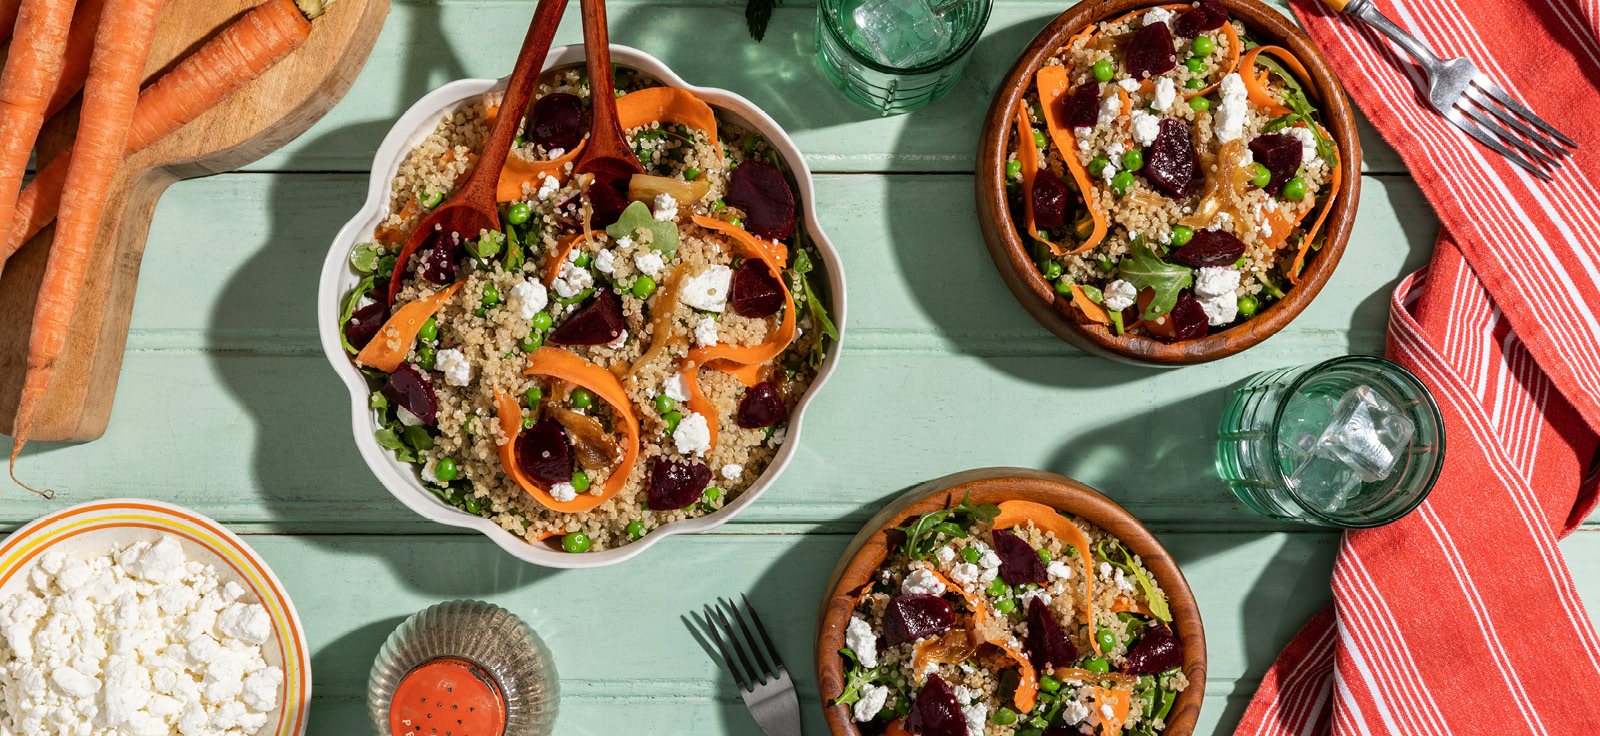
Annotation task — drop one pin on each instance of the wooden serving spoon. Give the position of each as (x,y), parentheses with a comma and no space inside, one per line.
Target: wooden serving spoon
(607,155)
(474,208)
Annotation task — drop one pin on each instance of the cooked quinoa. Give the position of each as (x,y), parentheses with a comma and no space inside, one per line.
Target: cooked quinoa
(1181,174)
(946,626)
(625,305)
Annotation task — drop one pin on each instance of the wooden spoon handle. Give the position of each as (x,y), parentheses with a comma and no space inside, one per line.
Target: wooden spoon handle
(530,61)
(602,86)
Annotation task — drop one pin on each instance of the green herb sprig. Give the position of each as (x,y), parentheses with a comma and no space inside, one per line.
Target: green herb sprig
(757,13)
(1112,551)
(924,535)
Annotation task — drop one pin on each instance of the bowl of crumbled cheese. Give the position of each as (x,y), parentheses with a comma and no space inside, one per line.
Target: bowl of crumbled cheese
(127,616)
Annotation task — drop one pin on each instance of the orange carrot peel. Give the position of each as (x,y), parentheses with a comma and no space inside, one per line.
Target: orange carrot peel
(394,340)
(552,267)
(1095,312)
(1016,513)
(1028,156)
(1254,85)
(1028,685)
(1053,84)
(775,256)
(566,366)
(1118,698)
(519,171)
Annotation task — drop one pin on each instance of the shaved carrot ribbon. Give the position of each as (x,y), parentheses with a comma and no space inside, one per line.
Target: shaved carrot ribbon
(896,727)
(1028,156)
(392,236)
(552,267)
(558,363)
(394,340)
(1254,85)
(1094,312)
(1052,84)
(1028,686)
(1123,604)
(1046,519)
(519,171)
(1336,177)
(697,402)
(1118,699)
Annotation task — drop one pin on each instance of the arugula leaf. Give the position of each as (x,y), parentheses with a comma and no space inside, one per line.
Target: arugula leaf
(349,309)
(487,246)
(515,256)
(1154,599)
(1294,97)
(819,314)
(856,679)
(925,534)
(757,13)
(1145,270)
(387,437)
(637,217)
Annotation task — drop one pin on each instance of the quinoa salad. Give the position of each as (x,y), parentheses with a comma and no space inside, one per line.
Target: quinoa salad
(1170,174)
(624,354)
(1009,619)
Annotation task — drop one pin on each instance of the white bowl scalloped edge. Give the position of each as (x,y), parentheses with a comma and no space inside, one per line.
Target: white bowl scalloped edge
(338,278)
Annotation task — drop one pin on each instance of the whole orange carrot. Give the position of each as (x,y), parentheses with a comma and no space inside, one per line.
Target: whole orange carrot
(8,17)
(33,66)
(121,48)
(227,62)
(75,63)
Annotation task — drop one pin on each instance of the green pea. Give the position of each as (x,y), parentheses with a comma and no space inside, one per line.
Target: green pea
(1203,46)
(425,356)
(1098,664)
(1049,684)
(1039,139)
(1106,264)
(1133,160)
(580,481)
(575,542)
(970,554)
(1248,304)
(518,213)
(1064,287)
(445,470)
(736,222)
(1004,716)
(998,589)
(1106,640)
(518,141)
(541,321)
(718,205)
(472,505)
(1121,182)
(1196,83)
(1199,104)
(533,395)
(635,529)
(644,286)
(470,427)
(711,495)
(1240,263)
(491,295)
(664,403)
(527,422)
(431,200)
(1195,65)
(1295,189)
(672,418)
(691,173)
(1014,170)
(1097,166)
(749,143)
(1181,235)
(1103,70)
(581,398)
(1259,175)
(430,330)
(1052,271)
(1044,556)
(532,342)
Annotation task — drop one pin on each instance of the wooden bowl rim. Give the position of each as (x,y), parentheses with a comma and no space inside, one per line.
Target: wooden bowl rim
(1055,313)
(868,549)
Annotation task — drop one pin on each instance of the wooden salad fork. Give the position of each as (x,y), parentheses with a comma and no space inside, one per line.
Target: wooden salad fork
(474,208)
(607,155)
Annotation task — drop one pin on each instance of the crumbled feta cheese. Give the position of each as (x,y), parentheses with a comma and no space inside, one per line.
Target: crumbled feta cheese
(965,573)
(1110,108)
(531,297)
(1145,127)
(1119,295)
(605,262)
(977,716)
(1129,85)
(548,186)
(563,492)
(666,209)
(1232,110)
(778,437)
(1105,569)
(246,622)
(1028,596)
(1122,581)
(1157,15)
(453,364)
(1074,712)
(705,333)
(693,435)
(625,243)
(859,638)
(873,698)
(1106,711)
(1166,92)
(676,387)
(964,694)
(922,581)
(1221,310)
(649,262)
(556,153)
(945,554)
(1214,281)
(732,471)
(707,291)
(1308,146)
(1059,569)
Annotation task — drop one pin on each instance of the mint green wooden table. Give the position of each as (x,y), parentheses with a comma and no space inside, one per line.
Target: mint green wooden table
(226,404)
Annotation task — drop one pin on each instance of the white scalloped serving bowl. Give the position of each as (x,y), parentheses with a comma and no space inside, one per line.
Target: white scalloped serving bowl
(338,278)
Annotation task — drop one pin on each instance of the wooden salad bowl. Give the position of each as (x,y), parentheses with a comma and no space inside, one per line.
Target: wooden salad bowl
(1053,311)
(870,548)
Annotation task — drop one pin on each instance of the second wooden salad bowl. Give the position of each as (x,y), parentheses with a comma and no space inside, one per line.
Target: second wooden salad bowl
(1056,313)
(870,548)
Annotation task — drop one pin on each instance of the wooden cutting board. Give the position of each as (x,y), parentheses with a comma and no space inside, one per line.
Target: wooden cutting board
(269,112)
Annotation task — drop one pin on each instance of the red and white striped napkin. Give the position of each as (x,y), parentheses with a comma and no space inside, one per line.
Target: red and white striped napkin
(1462,618)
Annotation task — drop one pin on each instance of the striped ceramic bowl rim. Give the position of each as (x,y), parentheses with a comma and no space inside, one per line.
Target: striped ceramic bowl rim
(222,545)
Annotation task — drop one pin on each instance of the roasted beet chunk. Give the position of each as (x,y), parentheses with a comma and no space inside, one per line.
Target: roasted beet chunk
(761,406)
(439,263)
(597,322)
(915,616)
(755,293)
(1170,163)
(1280,153)
(1209,248)
(1019,561)
(1188,317)
(1208,17)
(1048,644)
(1150,51)
(1157,651)
(364,324)
(1081,109)
(1050,200)
(557,121)
(762,191)
(543,453)
(607,202)
(408,388)
(675,484)
(935,712)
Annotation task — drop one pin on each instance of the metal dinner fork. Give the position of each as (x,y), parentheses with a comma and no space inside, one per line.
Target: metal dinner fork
(1463,95)
(767,690)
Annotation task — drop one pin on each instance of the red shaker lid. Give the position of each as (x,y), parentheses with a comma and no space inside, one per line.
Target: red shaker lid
(447,697)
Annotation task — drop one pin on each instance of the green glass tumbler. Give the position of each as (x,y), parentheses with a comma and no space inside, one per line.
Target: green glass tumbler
(895,56)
